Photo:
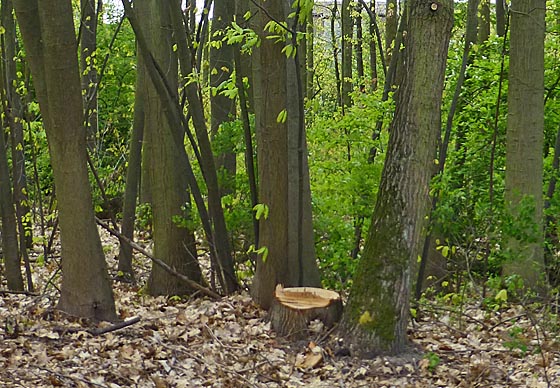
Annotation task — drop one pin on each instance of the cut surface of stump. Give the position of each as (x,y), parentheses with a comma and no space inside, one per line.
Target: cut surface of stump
(293,308)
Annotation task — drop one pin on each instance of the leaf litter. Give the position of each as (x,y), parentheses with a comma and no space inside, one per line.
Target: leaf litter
(199,342)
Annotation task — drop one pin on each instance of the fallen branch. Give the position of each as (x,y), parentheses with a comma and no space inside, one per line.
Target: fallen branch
(116,326)
(9,292)
(161,263)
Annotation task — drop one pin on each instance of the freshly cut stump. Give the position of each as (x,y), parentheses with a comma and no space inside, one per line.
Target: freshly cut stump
(293,308)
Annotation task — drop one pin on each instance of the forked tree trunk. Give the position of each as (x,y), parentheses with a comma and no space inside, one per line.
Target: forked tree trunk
(377,312)
(50,41)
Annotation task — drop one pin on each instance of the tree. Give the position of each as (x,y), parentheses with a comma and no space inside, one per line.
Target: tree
(287,232)
(525,134)
(377,312)
(222,107)
(14,114)
(48,35)
(500,17)
(347,33)
(90,9)
(390,27)
(173,243)
(8,233)
(484,21)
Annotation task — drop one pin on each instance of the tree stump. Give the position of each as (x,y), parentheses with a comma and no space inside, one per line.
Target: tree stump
(293,308)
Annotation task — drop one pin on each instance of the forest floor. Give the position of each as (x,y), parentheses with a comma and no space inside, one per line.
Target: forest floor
(229,343)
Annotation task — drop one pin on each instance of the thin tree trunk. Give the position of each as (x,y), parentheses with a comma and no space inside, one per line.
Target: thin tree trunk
(9,228)
(14,114)
(222,108)
(133,173)
(88,46)
(391,17)
(347,29)
(372,48)
(500,17)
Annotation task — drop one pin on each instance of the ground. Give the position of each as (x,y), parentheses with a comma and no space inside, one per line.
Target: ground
(199,342)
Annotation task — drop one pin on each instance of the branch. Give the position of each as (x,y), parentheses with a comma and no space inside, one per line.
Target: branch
(191,283)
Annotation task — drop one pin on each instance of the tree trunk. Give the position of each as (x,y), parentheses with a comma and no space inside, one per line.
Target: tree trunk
(391,17)
(48,34)
(88,46)
(376,316)
(347,29)
(133,172)
(222,107)
(525,133)
(484,21)
(359,48)
(500,17)
(372,49)
(14,115)
(8,236)
(283,171)
(174,244)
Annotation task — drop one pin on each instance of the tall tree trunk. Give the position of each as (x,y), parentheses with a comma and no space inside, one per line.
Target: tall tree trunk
(88,46)
(347,29)
(484,21)
(372,48)
(10,251)
(133,172)
(14,113)
(500,17)
(48,35)
(359,47)
(377,312)
(174,244)
(310,56)
(391,23)
(283,175)
(336,50)
(433,260)
(525,133)
(220,241)
(222,107)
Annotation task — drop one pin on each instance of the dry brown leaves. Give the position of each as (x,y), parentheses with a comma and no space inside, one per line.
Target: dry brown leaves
(203,343)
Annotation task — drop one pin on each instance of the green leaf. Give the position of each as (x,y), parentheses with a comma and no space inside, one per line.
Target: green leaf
(282,116)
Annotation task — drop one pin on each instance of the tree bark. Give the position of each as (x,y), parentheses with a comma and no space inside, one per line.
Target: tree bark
(377,312)
(391,17)
(500,17)
(347,29)
(173,243)
(48,34)
(88,46)
(525,134)
(283,172)
(222,107)
(133,172)
(484,21)
(8,236)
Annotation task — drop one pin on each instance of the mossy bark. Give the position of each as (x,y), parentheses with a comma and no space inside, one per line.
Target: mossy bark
(376,316)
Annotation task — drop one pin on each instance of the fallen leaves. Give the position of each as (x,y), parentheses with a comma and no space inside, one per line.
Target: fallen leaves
(229,343)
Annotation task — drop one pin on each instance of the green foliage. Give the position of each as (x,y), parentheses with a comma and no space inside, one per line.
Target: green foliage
(343,182)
